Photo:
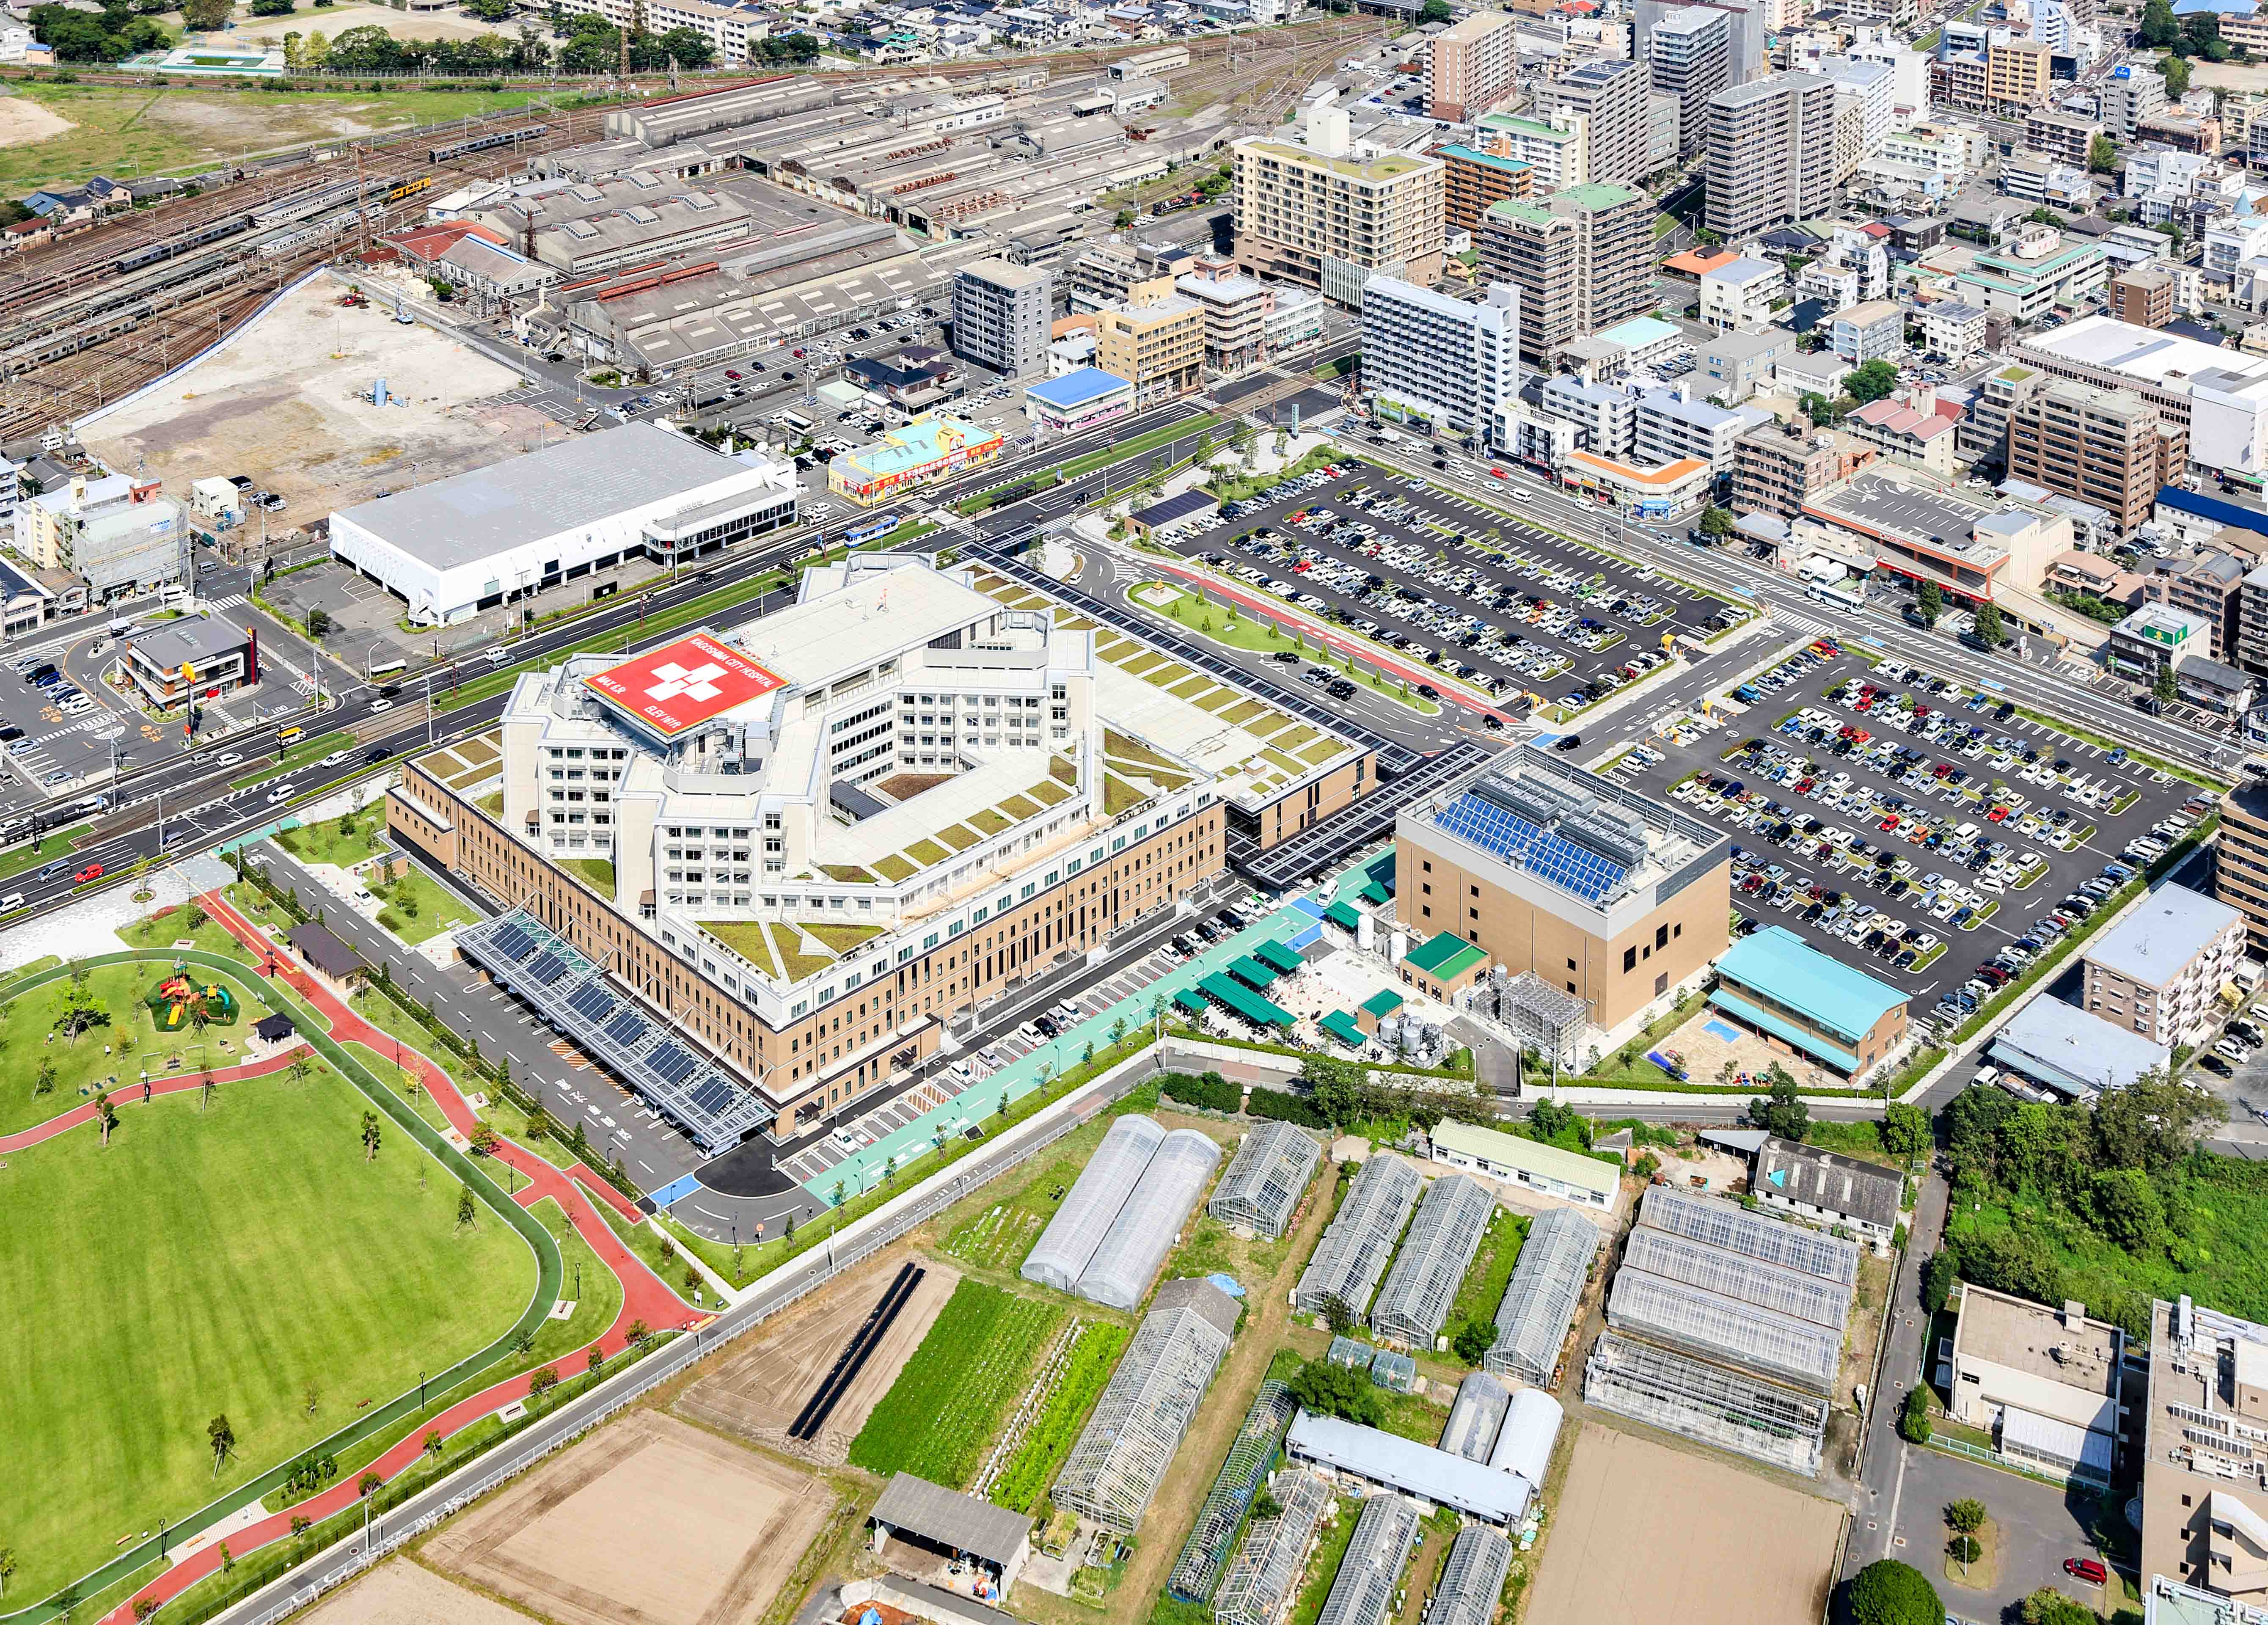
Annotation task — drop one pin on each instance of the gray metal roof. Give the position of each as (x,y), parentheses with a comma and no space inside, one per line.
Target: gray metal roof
(2167,929)
(1406,1464)
(1829,1182)
(948,1519)
(2061,1044)
(195,638)
(470,517)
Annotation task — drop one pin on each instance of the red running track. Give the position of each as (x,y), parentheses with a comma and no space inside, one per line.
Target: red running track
(645,1297)
(130,1095)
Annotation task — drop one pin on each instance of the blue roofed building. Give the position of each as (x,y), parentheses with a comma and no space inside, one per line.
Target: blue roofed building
(1080,399)
(1809,1003)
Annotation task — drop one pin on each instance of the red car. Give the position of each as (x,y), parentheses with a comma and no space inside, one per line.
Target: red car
(1997,814)
(92,871)
(729,374)
(2086,1568)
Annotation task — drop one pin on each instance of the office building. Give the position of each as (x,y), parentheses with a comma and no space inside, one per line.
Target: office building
(1612,101)
(1318,214)
(1472,64)
(1473,177)
(2129,93)
(2107,447)
(1771,153)
(1001,317)
(1157,343)
(2204,1487)
(1581,258)
(1452,362)
(2045,1383)
(1235,314)
(1776,469)
(1547,867)
(2160,969)
(2156,637)
(121,536)
(1691,59)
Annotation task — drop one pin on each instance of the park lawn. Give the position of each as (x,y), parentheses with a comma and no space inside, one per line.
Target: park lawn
(436,909)
(389,1018)
(647,1243)
(380,1063)
(94,1060)
(363,836)
(246,1251)
(160,934)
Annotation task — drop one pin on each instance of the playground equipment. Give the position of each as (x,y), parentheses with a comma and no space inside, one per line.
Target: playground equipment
(177,1002)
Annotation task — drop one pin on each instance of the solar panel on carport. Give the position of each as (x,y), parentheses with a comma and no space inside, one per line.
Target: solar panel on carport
(592,1003)
(1245,1002)
(548,969)
(1283,955)
(627,1028)
(1253,973)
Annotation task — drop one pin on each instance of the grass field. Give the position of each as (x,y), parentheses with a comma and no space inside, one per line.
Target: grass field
(417,907)
(110,1057)
(343,842)
(219,1262)
(998,1236)
(159,935)
(133,132)
(1251,631)
(1491,1270)
(941,1414)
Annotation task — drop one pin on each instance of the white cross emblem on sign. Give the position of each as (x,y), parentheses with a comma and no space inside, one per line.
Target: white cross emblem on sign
(699,683)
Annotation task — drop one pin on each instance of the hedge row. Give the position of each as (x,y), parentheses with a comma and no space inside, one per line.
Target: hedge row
(1212,1091)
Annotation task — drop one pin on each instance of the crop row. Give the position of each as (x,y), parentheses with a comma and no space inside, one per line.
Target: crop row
(947,1403)
(1049,1439)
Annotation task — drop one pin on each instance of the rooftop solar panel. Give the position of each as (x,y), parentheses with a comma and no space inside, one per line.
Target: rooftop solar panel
(548,968)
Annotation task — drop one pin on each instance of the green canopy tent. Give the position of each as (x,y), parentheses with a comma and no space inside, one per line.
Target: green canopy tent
(1282,956)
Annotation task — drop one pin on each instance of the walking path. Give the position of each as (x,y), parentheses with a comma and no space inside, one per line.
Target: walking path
(130,1095)
(645,1295)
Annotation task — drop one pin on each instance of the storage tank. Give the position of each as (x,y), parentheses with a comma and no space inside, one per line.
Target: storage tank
(1531,1427)
(1476,1417)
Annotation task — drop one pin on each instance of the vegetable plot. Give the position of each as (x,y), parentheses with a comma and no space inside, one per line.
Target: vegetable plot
(946,1405)
(1061,1412)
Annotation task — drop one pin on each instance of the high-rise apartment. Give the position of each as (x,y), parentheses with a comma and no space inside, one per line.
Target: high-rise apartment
(1450,361)
(1747,19)
(1691,59)
(2205,1489)
(1580,259)
(2016,74)
(1475,176)
(1771,153)
(2107,447)
(2239,874)
(1000,315)
(1611,99)
(1325,215)
(1157,343)
(1472,66)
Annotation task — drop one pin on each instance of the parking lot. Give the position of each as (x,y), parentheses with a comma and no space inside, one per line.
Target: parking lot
(1917,828)
(60,729)
(1459,587)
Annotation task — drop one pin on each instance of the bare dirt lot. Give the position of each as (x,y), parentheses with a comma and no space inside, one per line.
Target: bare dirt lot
(650,1519)
(286,404)
(399,1592)
(337,19)
(23,120)
(1722,1545)
(757,1392)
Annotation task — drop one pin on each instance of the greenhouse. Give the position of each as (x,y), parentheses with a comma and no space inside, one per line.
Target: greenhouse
(1539,1301)
(1727,1224)
(1729,1409)
(1475,1418)
(1241,1473)
(1362,1594)
(1414,1305)
(1354,1250)
(1699,1322)
(1114,1468)
(1068,1246)
(1531,1429)
(1265,1179)
(1120,1273)
(1472,1579)
(1737,1275)
(1265,1576)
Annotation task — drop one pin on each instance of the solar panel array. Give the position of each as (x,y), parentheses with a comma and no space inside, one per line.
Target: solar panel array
(1542,851)
(1326,843)
(574,997)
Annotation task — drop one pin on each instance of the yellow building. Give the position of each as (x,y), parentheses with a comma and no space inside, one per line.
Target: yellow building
(1157,343)
(2016,74)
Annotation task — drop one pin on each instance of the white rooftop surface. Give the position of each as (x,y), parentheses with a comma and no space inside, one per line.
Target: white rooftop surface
(1175,725)
(819,638)
(940,808)
(2143,352)
(2167,930)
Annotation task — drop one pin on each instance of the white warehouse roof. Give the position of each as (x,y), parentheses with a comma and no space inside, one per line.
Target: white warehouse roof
(1489,1493)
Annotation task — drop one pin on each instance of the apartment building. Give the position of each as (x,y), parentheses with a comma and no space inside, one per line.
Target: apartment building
(1320,215)
(1000,317)
(1453,362)
(2129,93)
(1556,149)
(1475,176)
(2209,585)
(1581,259)
(1872,331)
(2160,970)
(1690,57)
(2144,297)
(1613,101)
(1776,469)
(730,29)
(2063,135)
(1866,92)
(1912,427)
(1472,66)
(2252,622)
(1157,343)
(1737,363)
(1235,314)
(1671,427)
(2016,74)
(122,535)
(2204,1481)
(1771,153)
(1604,417)
(2106,447)
(2241,872)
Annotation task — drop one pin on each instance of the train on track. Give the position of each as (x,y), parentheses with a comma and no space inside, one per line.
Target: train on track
(482,144)
(149,253)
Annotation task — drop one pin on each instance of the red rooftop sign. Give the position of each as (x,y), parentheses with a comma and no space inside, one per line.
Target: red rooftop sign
(691,681)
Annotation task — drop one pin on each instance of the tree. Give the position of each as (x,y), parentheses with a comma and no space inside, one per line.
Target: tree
(2049,1606)
(1783,1113)
(368,1485)
(484,1142)
(434,1445)
(489,11)
(206,15)
(2102,155)
(2159,29)
(1473,1339)
(1929,599)
(1937,1277)
(273,8)
(2152,1123)
(465,1211)
(222,1438)
(2128,1210)
(106,1115)
(1340,1089)
(1989,629)
(2178,78)
(1965,1516)
(1820,410)
(43,1080)
(1890,1593)
(1435,12)
(1913,1417)
(1903,1130)
(318,621)
(1872,381)
(637,1333)
(542,1381)
(370,1136)
(1716,524)
(2161,686)
(1338,1391)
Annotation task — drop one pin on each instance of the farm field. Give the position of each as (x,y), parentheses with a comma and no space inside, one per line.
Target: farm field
(942,1412)
(248,1255)
(1077,1382)
(1002,1231)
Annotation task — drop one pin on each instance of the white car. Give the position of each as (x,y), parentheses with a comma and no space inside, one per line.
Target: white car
(282,792)
(381,705)
(497,656)
(337,758)
(227,758)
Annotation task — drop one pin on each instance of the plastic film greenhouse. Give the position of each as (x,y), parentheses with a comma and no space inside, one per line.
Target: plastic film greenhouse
(1414,1305)
(1476,1417)
(1362,1594)
(1162,1199)
(1065,1248)
(1265,1179)
(1717,1406)
(1352,1253)
(1250,1455)
(1261,1582)
(1539,1301)
(1472,1579)
(1735,1274)
(1114,1468)
(1722,1223)
(1718,1328)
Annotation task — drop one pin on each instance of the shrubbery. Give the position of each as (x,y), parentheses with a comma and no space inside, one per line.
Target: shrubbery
(1271,1103)
(1210,1091)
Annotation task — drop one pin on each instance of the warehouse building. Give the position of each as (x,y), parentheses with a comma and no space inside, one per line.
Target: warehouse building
(1414,1305)
(1266,1178)
(1808,1003)
(1538,1308)
(452,548)
(1514,1159)
(948,1523)
(2078,1054)
(1373,1456)
(1354,1250)
(1114,1468)
(1861,1196)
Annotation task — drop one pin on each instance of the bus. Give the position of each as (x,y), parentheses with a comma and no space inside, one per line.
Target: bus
(291,736)
(1849,602)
